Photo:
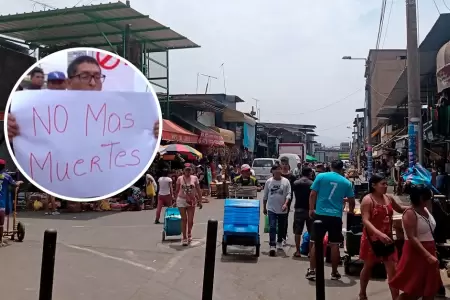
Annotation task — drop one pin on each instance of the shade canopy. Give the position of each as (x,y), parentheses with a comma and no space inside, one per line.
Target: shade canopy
(310,158)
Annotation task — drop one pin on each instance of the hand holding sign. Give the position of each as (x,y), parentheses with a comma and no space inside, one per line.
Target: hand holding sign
(81,144)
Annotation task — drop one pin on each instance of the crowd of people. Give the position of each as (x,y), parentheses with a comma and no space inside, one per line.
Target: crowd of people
(321,195)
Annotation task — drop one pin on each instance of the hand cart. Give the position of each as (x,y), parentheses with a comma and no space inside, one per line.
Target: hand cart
(243,192)
(241,224)
(13,227)
(172,223)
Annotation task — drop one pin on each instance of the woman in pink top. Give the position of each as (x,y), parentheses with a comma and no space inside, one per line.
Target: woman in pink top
(189,195)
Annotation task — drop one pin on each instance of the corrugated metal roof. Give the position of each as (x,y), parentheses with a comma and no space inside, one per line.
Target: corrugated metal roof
(428,50)
(88,26)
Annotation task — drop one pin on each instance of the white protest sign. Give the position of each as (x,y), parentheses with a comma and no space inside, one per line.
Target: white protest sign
(119,76)
(81,144)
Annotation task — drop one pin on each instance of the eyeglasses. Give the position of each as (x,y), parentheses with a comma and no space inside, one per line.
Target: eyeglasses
(87,78)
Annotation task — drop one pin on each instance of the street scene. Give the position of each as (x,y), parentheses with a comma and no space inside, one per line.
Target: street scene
(327,174)
(103,255)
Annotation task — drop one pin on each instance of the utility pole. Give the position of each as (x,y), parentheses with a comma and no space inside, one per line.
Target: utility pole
(415,130)
(368,116)
(358,144)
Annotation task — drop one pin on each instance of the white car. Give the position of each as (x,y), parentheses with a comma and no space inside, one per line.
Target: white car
(261,168)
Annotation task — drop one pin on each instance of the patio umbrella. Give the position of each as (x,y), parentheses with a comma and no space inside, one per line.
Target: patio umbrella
(181,149)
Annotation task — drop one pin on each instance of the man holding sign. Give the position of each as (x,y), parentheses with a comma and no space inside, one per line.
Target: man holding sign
(84,74)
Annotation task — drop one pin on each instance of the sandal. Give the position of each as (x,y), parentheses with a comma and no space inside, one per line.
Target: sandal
(185,242)
(189,239)
(362,297)
(297,254)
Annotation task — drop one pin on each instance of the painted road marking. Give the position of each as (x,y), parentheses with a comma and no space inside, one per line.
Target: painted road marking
(174,260)
(104,255)
(127,226)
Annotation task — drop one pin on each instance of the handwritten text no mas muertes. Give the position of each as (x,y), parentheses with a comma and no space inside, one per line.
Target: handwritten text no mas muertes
(77,137)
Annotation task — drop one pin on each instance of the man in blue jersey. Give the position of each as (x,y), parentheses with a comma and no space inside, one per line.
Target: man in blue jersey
(326,203)
(5,200)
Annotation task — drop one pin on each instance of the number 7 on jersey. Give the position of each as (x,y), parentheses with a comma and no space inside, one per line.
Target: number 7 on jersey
(334,184)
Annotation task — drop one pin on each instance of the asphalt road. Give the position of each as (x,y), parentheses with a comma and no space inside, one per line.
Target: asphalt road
(118,256)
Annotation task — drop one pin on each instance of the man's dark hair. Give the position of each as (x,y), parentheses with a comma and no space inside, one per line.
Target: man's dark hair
(72,69)
(284,159)
(337,165)
(306,172)
(275,167)
(320,166)
(36,71)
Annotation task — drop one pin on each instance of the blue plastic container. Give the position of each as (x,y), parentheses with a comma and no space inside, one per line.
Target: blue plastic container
(241,223)
(172,222)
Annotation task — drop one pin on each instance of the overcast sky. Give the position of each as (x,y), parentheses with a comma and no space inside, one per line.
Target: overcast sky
(287,55)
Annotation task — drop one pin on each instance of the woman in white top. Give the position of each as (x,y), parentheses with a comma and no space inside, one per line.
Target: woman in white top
(189,195)
(165,194)
(417,274)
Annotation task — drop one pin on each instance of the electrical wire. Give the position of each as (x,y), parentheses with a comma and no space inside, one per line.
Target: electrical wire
(388,21)
(335,126)
(379,35)
(318,109)
(48,6)
(445,4)
(437,7)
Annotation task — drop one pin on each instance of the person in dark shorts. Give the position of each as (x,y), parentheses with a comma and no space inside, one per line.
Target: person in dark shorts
(301,189)
(326,203)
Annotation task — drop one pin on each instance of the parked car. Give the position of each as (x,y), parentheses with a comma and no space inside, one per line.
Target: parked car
(262,167)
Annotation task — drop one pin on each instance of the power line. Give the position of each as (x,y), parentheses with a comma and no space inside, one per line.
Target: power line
(381,23)
(388,21)
(445,4)
(335,126)
(379,35)
(318,109)
(437,7)
(49,6)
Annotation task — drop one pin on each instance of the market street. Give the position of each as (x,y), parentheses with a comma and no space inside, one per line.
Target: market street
(111,256)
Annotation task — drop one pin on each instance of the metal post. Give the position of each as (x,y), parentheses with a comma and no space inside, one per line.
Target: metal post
(167,89)
(320,272)
(414,104)
(127,38)
(210,260)
(48,265)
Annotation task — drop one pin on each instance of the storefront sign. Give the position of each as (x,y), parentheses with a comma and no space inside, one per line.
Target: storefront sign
(83,144)
(238,133)
(210,139)
(249,137)
(180,138)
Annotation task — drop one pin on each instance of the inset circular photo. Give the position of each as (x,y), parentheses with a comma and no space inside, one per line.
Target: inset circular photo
(83,124)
